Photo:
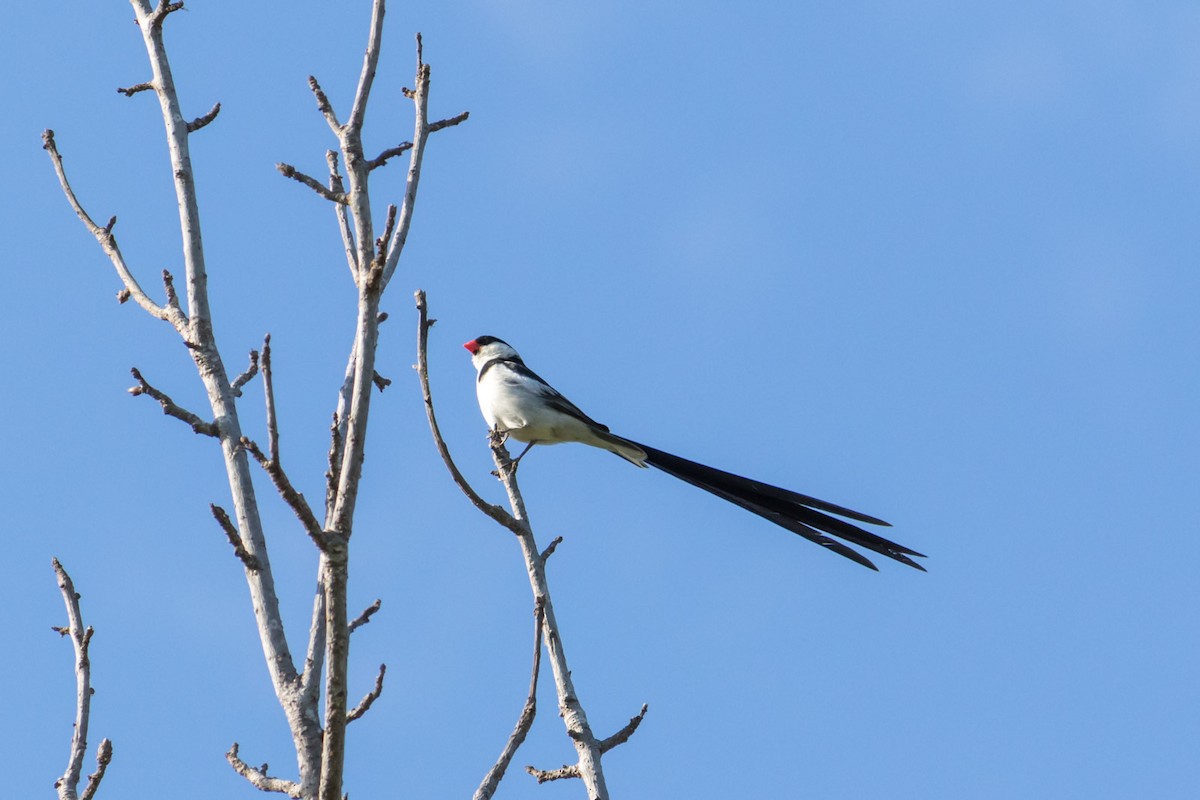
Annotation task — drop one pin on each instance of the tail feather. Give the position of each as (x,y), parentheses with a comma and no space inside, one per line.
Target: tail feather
(798,513)
(632,452)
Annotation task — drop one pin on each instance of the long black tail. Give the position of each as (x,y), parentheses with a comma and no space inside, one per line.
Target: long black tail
(796,512)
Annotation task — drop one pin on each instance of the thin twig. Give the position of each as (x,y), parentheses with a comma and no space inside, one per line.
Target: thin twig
(235,538)
(160,13)
(420,98)
(335,461)
(200,122)
(170,408)
(244,378)
(366,78)
(323,105)
(310,679)
(382,159)
(132,90)
(495,512)
(338,187)
(287,491)
(269,395)
(370,698)
(622,736)
(449,122)
(103,759)
(258,775)
(550,548)
(288,171)
(365,616)
(565,771)
(382,242)
(524,722)
(168,284)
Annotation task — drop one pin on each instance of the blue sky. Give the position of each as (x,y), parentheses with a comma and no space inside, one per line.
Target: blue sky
(935,261)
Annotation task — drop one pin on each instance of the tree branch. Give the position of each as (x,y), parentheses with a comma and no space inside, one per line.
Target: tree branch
(340,517)
(200,122)
(589,767)
(68,784)
(160,13)
(314,660)
(370,698)
(269,396)
(287,491)
(423,325)
(366,77)
(450,122)
(108,242)
(235,538)
(288,171)
(622,736)
(245,377)
(103,759)
(170,408)
(365,616)
(258,776)
(382,159)
(550,548)
(173,306)
(302,720)
(338,187)
(132,90)
(382,242)
(420,98)
(323,105)
(565,771)
(336,442)
(570,708)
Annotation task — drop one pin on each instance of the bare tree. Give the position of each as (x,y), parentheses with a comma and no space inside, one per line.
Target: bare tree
(318,731)
(319,739)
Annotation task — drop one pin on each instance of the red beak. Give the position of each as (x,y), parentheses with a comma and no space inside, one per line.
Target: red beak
(472,346)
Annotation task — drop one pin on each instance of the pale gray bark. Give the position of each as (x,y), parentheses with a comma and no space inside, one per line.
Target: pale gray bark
(319,749)
(587,746)
(68,785)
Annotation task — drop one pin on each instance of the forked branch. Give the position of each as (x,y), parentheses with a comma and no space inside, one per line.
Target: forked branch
(108,242)
(587,746)
(81,637)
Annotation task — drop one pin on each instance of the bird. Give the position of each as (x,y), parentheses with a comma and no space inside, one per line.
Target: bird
(518,403)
